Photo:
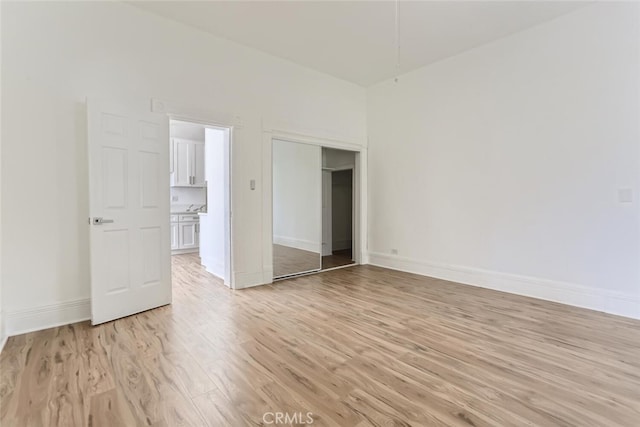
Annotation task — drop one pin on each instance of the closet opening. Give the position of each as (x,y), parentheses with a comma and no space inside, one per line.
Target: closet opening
(315,209)
(337,208)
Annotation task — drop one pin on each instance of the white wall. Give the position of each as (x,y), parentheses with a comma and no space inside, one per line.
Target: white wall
(55,54)
(297,204)
(510,157)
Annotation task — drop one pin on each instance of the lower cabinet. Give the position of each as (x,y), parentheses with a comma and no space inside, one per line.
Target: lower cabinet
(175,236)
(185,233)
(189,235)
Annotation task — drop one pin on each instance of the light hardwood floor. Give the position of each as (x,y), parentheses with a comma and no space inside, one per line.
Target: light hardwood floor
(356,347)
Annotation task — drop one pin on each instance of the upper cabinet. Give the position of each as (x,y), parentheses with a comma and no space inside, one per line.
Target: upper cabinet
(187,164)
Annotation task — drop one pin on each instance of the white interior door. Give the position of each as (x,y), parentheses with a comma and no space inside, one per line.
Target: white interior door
(129,208)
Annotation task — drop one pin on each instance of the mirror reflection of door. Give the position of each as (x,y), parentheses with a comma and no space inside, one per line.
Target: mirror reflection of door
(297,208)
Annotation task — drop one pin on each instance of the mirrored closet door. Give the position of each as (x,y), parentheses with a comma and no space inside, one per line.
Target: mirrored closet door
(297,208)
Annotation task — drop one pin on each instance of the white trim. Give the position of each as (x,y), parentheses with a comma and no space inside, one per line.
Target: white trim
(294,275)
(3,332)
(215,268)
(612,302)
(47,316)
(324,270)
(248,280)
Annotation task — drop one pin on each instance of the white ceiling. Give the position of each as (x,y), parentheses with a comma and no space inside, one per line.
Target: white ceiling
(355,40)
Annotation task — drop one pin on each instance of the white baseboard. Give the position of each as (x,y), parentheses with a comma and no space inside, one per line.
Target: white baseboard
(613,302)
(248,280)
(214,267)
(47,316)
(305,245)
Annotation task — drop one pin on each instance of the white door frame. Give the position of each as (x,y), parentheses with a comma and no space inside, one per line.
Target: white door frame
(359,192)
(212,123)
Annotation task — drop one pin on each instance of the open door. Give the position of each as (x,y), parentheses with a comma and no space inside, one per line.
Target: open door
(129,208)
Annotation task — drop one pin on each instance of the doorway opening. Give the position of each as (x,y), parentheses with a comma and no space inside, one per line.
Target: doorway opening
(199,167)
(315,213)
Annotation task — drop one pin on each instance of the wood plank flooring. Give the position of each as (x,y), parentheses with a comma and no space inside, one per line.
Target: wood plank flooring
(355,347)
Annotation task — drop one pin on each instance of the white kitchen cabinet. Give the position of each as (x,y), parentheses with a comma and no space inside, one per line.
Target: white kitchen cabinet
(188,163)
(188,235)
(185,233)
(198,164)
(175,236)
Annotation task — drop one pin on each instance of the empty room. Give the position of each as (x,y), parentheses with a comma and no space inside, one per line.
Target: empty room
(320,213)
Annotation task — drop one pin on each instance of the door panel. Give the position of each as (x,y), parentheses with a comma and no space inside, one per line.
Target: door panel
(114,170)
(116,250)
(149,185)
(129,208)
(297,208)
(151,255)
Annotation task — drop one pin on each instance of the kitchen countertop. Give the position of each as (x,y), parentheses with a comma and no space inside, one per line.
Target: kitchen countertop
(183,213)
(183,210)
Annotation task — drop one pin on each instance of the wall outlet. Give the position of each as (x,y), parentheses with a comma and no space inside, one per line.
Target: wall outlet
(174,198)
(394,252)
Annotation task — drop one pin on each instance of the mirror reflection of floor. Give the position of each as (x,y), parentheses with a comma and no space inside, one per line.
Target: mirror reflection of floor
(288,260)
(337,259)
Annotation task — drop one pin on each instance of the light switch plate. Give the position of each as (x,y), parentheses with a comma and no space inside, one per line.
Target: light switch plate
(252,184)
